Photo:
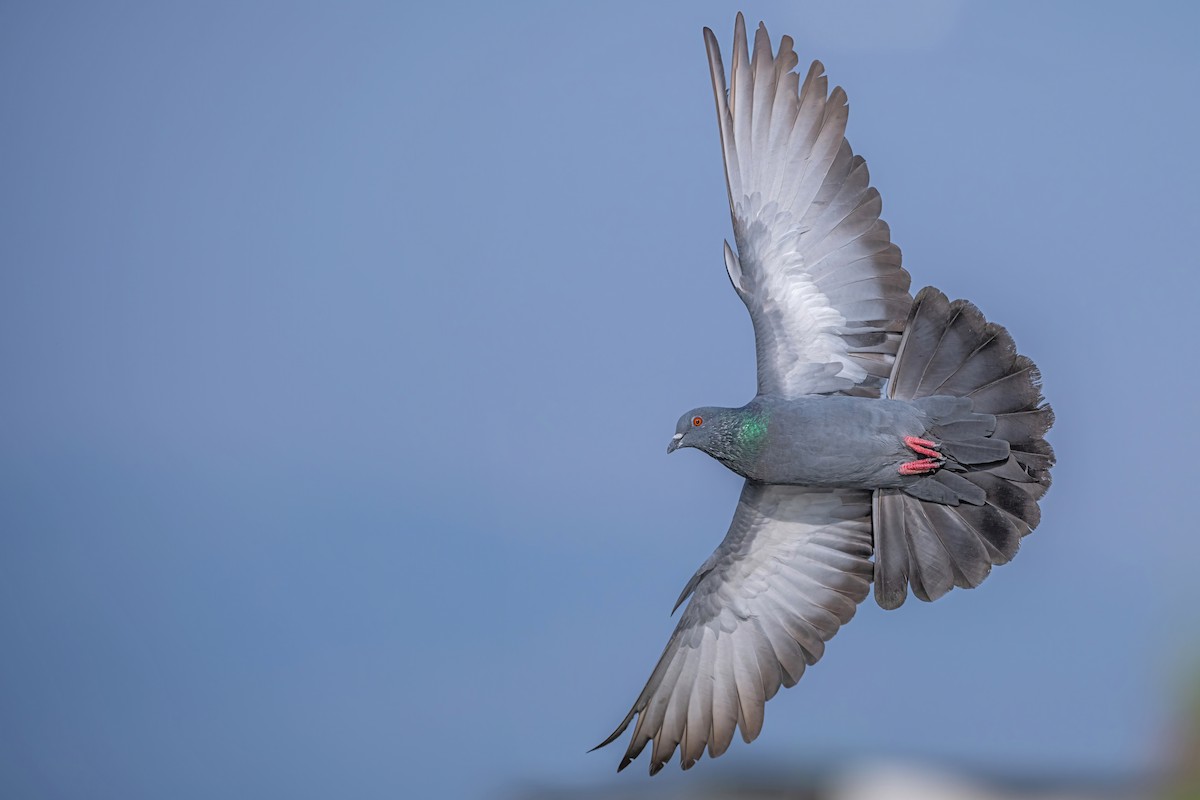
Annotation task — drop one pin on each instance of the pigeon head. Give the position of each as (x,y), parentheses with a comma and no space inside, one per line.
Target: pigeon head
(726,434)
(696,428)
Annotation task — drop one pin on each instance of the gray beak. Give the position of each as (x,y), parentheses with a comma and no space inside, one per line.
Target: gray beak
(674,445)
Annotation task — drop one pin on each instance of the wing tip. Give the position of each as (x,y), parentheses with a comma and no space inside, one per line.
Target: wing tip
(612,737)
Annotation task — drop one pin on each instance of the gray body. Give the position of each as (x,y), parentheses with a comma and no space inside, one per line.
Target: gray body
(849,442)
(839,442)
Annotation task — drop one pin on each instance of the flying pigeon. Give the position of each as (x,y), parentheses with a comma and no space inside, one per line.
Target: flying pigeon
(905,429)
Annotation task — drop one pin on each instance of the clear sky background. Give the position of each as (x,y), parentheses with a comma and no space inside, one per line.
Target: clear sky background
(340,345)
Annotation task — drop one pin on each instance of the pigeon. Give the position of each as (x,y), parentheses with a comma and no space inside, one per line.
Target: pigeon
(893,440)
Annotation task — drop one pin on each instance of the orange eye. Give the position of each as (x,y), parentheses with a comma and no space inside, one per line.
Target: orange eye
(697,422)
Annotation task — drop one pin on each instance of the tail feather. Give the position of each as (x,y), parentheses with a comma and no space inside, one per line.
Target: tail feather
(965,490)
(1024,427)
(1008,497)
(891,574)
(958,342)
(991,360)
(976,449)
(950,528)
(931,572)
(973,427)
(967,550)
(1000,535)
(1019,390)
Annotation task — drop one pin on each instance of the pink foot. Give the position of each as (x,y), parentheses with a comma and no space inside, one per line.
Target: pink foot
(922,447)
(921,466)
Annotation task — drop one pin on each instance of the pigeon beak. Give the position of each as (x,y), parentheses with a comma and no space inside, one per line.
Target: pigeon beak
(674,444)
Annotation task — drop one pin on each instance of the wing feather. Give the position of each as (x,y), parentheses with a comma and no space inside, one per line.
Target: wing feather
(725,701)
(790,572)
(803,212)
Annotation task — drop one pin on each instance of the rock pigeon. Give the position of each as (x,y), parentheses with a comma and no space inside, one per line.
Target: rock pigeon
(892,440)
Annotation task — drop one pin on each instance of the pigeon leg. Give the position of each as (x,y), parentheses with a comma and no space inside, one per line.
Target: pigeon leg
(921,466)
(922,447)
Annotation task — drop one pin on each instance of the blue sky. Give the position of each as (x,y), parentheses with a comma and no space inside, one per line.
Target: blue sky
(341,344)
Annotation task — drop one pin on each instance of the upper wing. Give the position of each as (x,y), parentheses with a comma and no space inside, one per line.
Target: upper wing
(791,571)
(815,264)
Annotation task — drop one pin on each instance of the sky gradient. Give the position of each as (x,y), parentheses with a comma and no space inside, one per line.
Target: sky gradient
(341,344)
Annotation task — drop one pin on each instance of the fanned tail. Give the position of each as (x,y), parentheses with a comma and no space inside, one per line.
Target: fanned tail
(950,528)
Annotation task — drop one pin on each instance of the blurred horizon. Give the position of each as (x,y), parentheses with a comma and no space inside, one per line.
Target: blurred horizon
(341,345)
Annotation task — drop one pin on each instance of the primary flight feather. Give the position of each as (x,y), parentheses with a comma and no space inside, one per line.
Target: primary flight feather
(925,488)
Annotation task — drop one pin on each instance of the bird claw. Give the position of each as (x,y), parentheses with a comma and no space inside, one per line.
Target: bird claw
(921,466)
(922,447)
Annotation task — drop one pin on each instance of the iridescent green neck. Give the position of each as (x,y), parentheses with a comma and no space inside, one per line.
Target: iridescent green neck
(752,430)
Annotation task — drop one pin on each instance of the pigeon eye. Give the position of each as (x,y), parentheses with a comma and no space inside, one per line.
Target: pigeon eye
(697,422)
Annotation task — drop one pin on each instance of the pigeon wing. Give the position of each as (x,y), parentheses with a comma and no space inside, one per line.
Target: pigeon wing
(815,264)
(791,571)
